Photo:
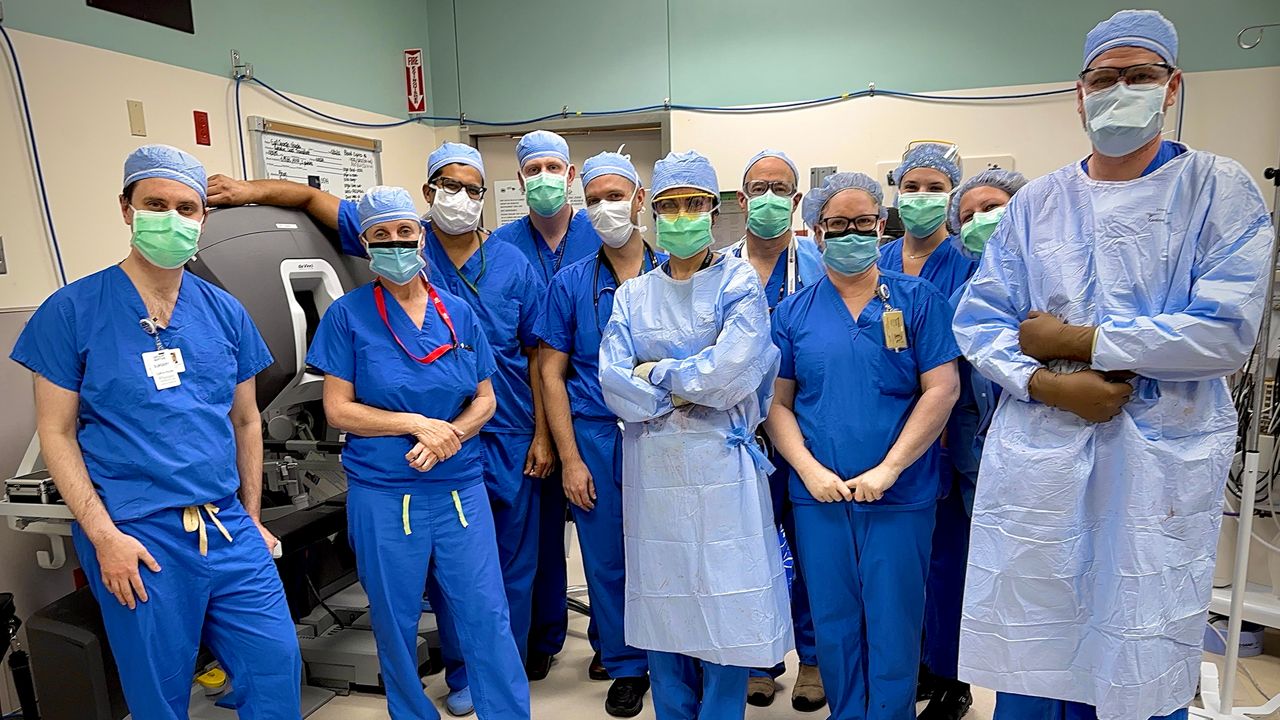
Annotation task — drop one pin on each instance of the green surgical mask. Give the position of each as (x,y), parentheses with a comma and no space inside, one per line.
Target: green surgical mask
(166,239)
(975,233)
(769,215)
(922,212)
(684,235)
(546,193)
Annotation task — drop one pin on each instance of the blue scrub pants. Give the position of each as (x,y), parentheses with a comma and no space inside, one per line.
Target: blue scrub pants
(801,617)
(550,612)
(231,600)
(514,501)
(603,556)
(685,688)
(452,542)
(944,595)
(1023,707)
(868,604)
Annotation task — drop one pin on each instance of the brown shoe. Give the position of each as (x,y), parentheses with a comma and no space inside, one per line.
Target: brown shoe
(760,691)
(808,695)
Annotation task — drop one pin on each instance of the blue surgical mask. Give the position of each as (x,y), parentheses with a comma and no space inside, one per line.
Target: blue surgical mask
(851,254)
(1122,118)
(397,264)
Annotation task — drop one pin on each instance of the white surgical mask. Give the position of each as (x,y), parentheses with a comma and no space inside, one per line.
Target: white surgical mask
(455,213)
(1122,118)
(612,221)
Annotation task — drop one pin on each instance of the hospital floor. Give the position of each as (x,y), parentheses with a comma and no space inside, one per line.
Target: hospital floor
(568,693)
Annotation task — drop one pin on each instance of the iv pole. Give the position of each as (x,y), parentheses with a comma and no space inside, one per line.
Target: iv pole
(1224,708)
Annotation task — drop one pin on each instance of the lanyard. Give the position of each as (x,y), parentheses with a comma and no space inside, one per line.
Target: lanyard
(792,282)
(473,285)
(380,300)
(539,243)
(706,263)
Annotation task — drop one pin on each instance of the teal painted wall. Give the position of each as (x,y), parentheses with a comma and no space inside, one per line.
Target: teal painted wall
(345,51)
(524,58)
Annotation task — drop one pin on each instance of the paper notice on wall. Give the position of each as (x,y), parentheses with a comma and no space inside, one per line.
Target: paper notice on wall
(510,204)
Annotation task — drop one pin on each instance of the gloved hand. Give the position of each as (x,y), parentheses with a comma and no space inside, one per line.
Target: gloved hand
(1086,394)
(643,370)
(677,401)
(1045,337)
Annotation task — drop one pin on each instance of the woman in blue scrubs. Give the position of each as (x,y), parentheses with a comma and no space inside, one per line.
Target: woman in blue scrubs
(867,380)
(407,377)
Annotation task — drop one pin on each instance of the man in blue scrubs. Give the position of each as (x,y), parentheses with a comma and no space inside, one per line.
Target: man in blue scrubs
(148,421)
(586,431)
(867,381)
(506,293)
(552,236)
(769,196)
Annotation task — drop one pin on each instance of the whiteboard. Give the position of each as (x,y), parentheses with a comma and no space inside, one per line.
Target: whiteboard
(342,165)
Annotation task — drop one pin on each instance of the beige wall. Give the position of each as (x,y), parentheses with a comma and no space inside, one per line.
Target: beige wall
(77,96)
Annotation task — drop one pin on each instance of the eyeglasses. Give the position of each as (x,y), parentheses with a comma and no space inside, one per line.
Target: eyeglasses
(950,150)
(693,203)
(837,225)
(1094,79)
(782,188)
(449,185)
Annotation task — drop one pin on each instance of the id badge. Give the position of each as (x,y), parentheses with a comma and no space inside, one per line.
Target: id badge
(895,330)
(175,356)
(163,367)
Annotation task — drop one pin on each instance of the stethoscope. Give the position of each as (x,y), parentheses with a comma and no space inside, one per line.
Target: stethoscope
(792,281)
(650,262)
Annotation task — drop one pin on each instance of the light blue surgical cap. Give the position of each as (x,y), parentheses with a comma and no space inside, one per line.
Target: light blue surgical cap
(383,203)
(451,153)
(170,163)
(1010,181)
(1145,29)
(685,169)
(540,144)
(609,163)
(773,154)
(816,199)
(943,158)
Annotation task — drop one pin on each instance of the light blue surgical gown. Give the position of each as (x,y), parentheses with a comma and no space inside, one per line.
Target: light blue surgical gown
(705,576)
(1093,545)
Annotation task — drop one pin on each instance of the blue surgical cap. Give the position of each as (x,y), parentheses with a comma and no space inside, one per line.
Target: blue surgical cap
(773,154)
(1145,29)
(816,199)
(454,154)
(685,169)
(609,163)
(1010,181)
(382,204)
(170,163)
(943,158)
(540,144)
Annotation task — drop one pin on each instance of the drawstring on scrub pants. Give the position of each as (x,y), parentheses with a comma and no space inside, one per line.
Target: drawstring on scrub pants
(193,521)
(404,512)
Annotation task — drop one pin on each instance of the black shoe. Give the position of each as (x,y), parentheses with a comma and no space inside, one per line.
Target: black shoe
(626,696)
(538,665)
(951,703)
(926,684)
(597,670)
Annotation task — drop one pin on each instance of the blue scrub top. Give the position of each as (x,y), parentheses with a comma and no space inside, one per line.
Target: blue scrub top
(147,450)
(578,307)
(506,294)
(946,268)
(1168,151)
(580,241)
(809,270)
(353,343)
(854,395)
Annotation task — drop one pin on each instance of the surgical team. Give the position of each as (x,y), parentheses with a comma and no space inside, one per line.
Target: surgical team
(996,446)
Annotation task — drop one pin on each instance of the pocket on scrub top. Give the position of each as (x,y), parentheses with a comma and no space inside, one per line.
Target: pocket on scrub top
(213,371)
(895,371)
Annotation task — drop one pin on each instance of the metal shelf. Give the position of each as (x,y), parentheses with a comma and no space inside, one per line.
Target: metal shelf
(1261,606)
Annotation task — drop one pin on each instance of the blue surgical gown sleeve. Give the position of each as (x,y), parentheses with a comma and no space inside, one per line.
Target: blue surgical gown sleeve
(48,346)
(252,355)
(555,327)
(994,305)
(733,367)
(1216,332)
(349,229)
(332,349)
(630,398)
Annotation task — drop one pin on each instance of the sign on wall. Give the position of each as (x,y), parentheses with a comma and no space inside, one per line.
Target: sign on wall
(415,86)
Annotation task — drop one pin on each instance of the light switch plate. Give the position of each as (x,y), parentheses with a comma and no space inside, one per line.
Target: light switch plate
(137,121)
(4,267)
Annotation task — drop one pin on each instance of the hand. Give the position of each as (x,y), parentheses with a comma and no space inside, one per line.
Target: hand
(871,485)
(644,370)
(267,537)
(579,486)
(825,486)
(118,557)
(1087,394)
(443,439)
(420,458)
(228,192)
(541,459)
(1045,337)
(677,401)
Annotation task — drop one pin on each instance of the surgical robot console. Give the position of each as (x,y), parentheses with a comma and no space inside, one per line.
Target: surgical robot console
(286,270)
